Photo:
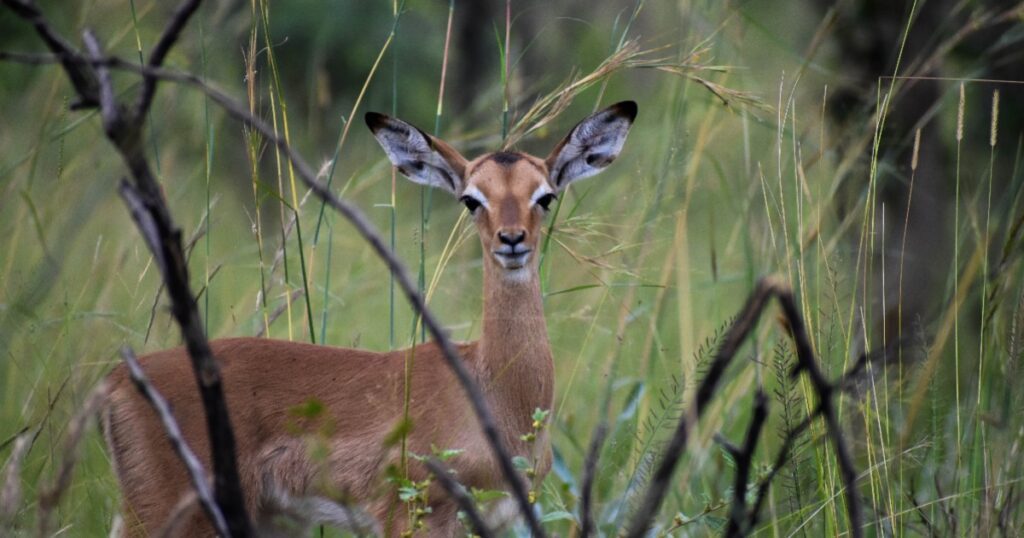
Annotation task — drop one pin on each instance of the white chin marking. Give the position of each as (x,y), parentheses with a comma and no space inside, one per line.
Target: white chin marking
(515,268)
(521,274)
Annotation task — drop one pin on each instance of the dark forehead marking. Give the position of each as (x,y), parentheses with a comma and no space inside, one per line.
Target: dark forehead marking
(505,158)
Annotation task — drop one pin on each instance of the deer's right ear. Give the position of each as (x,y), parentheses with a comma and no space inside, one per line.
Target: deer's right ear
(418,156)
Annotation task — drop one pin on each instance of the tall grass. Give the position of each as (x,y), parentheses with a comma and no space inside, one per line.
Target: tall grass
(641,266)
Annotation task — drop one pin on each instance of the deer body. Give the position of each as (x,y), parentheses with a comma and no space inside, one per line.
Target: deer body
(304,464)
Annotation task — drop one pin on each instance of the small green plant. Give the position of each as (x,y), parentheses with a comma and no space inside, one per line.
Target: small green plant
(529,466)
(415,493)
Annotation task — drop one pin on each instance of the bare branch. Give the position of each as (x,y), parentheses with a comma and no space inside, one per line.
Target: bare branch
(165,243)
(177,440)
(50,496)
(10,486)
(731,342)
(112,123)
(459,494)
(781,459)
(82,79)
(91,79)
(744,456)
(170,35)
(589,474)
(824,390)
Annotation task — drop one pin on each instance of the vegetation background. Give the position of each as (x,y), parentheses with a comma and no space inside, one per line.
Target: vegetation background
(773,138)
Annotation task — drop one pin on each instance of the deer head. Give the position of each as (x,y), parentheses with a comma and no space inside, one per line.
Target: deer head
(507,193)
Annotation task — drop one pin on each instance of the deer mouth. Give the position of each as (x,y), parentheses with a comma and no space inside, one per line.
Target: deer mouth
(512,259)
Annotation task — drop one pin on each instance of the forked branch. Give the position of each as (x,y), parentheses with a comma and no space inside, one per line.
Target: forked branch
(731,342)
(149,211)
(744,456)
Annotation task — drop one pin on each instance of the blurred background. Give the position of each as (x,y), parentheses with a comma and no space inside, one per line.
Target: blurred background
(868,152)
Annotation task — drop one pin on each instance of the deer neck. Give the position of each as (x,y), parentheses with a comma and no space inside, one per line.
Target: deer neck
(516,365)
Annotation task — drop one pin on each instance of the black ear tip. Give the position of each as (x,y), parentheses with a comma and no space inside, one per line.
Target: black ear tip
(375,120)
(626,108)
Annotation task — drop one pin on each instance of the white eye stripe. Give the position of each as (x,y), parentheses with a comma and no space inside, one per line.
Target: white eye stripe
(475,194)
(541,191)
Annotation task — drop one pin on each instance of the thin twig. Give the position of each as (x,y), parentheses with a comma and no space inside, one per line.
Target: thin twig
(589,475)
(183,510)
(10,485)
(744,456)
(50,496)
(781,459)
(156,58)
(459,494)
(177,440)
(824,390)
(278,311)
(82,79)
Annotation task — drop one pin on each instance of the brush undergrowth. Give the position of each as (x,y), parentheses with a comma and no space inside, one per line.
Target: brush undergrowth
(642,267)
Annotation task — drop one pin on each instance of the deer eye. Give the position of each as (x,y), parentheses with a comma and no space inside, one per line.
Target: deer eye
(545,201)
(472,204)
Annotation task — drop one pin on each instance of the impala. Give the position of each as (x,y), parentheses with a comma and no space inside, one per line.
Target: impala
(361,393)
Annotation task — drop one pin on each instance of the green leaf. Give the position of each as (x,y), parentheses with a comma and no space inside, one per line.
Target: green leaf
(482,496)
(715,522)
(401,429)
(521,463)
(407,494)
(447,453)
(311,408)
(558,515)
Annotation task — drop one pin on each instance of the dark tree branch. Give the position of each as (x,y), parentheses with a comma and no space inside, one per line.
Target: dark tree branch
(81,78)
(781,459)
(744,456)
(91,79)
(845,383)
(459,494)
(589,475)
(165,242)
(109,111)
(132,153)
(177,440)
(824,390)
(171,33)
(731,342)
(50,496)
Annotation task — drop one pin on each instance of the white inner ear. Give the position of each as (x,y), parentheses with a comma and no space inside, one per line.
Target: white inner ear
(542,190)
(475,194)
(410,151)
(590,147)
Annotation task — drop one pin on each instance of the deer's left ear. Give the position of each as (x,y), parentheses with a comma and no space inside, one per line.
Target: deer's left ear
(592,145)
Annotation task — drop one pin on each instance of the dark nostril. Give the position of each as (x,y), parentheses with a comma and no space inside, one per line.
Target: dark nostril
(511,239)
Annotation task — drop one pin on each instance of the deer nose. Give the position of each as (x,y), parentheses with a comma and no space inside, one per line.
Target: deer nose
(511,238)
